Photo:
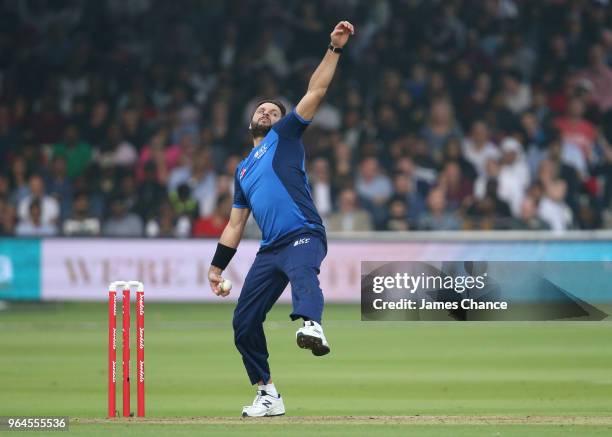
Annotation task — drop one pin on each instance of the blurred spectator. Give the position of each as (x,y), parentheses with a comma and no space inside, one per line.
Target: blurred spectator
(214,225)
(163,157)
(120,223)
(19,179)
(371,184)
(534,139)
(167,225)
(5,188)
(489,212)
(132,127)
(499,118)
(387,123)
(150,192)
(96,128)
(575,130)
(128,190)
(455,185)
(398,215)
(453,153)
(78,153)
(599,77)
(540,109)
(321,186)
(200,178)
(91,185)
(8,218)
(182,202)
(477,103)
(565,172)
(528,219)
(553,209)
(602,169)
(48,209)
(517,95)
(440,126)
(417,82)
(404,188)
(536,192)
(342,172)
(47,123)
(493,168)
(58,184)
(115,150)
(349,216)
(478,148)
(422,180)
(81,223)
(514,175)
(32,224)
(8,134)
(352,129)
(437,218)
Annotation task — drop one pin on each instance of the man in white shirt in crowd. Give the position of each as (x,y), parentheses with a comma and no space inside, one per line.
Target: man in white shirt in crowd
(49,206)
(514,175)
(478,148)
(553,209)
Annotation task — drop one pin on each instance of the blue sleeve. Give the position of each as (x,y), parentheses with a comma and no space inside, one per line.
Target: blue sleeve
(240,200)
(291,125)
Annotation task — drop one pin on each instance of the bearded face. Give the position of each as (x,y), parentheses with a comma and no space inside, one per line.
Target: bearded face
(264,117)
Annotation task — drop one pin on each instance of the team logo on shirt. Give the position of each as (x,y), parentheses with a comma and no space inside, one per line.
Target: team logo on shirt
(263,149)
(242,172)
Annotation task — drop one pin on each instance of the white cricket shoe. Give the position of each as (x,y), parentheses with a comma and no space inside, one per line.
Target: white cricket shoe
(311,336)
(264,405)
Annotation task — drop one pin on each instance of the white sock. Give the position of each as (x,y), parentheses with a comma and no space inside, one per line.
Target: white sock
(269,389)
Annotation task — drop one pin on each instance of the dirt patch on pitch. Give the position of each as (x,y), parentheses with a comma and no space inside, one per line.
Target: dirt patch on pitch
(365,420)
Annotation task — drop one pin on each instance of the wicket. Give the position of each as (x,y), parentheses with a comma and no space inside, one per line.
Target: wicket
(112,347)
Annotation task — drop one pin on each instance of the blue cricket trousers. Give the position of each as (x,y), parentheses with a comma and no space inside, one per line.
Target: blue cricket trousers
(297,263)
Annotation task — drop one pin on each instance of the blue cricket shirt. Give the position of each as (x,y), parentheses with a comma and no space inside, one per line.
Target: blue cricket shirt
(272,182)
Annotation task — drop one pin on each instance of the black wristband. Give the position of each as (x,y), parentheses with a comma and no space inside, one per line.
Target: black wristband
(335,49)
(223,255)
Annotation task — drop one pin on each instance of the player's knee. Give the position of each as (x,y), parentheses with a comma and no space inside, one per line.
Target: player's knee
(238,324)
(305,279)
(244,328)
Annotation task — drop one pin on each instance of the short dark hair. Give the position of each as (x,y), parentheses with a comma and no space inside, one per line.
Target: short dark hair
(273,101)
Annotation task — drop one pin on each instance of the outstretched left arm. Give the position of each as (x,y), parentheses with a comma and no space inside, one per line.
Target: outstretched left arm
(322,77)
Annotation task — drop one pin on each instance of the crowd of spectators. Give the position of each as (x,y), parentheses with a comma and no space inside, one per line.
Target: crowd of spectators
(128,117)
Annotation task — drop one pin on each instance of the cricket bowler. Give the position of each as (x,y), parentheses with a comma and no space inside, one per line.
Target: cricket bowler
(272,183)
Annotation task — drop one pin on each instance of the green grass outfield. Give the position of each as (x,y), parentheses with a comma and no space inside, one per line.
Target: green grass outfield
(460,379)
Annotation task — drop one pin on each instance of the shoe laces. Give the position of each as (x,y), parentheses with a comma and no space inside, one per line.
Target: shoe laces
(259,397)
(314,326)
